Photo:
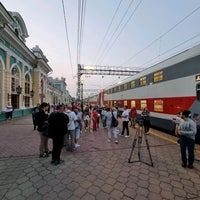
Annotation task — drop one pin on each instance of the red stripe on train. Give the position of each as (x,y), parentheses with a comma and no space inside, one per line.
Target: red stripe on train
(171,105)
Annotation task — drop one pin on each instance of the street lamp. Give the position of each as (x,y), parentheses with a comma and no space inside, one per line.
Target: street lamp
(31,93)
(18,90)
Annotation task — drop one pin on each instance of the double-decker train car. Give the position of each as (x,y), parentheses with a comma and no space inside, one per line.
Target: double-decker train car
(165,88)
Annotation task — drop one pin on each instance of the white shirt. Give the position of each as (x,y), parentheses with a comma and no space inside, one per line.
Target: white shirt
(9,108)
(86,117)
(72,118)
(125,113)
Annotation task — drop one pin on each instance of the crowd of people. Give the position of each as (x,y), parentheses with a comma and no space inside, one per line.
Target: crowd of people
(66,123)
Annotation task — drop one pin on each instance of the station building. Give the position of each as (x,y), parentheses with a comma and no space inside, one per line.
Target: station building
(24,73)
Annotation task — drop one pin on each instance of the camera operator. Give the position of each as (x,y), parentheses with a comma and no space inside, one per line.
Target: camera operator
(146,117)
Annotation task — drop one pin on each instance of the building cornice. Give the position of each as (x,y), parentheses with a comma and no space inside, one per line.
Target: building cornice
(8,35)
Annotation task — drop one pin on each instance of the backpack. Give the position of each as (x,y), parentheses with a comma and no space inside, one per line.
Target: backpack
(114,121)
(37,118)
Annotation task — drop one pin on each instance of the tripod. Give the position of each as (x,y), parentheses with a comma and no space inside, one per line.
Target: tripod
(138,139)
(195,150)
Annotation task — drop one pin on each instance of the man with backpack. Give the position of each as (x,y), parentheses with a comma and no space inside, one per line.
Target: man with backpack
(112,129)
(41,119)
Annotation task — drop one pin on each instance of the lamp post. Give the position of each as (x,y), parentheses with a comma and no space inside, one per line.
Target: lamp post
(19,91)
(31,93)
(82,94)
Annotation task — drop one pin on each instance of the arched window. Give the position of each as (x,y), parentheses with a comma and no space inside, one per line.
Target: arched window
(15,82)
(1,78)
(14,79)
(27,91)
(27,84)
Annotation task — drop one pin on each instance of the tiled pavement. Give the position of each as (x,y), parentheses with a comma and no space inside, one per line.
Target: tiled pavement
(97,170)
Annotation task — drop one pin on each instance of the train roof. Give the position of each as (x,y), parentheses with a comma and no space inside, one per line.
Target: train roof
(180,57)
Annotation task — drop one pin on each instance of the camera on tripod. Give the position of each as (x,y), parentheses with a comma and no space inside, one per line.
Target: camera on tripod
(140,121)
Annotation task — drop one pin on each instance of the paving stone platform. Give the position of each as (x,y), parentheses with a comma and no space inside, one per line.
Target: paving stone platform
(96,170)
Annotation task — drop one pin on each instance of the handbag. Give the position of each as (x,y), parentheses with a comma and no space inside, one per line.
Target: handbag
(45,131)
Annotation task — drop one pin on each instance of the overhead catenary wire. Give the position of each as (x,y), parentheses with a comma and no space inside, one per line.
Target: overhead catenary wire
(184,42)
(161,36)
(114,41)
(116,29)
(67,36)
(81,21)
(107,31)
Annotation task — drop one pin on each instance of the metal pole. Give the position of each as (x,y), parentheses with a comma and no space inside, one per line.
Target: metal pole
(79,82)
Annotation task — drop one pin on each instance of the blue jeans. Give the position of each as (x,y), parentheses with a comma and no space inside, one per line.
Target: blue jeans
(187,143)
(70,140)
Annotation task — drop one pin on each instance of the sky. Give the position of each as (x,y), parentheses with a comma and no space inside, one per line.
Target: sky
(137,35)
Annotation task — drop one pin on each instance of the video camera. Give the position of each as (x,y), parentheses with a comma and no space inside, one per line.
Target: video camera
(140,121)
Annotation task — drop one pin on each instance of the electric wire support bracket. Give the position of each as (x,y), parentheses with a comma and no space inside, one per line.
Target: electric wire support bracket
(102,70)
(137,141)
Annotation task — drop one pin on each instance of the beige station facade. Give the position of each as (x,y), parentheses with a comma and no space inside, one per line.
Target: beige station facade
(25,76)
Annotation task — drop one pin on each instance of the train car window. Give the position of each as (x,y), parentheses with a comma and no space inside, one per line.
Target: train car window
(125,86)
(158,76)
(132,103)
(158,105)
(115,89)
(198,91)
(119,88)
(132,84)
(143,81)
(143,104)
(125,103)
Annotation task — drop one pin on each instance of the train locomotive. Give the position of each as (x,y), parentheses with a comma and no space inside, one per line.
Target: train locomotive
(166,88)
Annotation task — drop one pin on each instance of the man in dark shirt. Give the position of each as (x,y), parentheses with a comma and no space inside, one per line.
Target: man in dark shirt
(58,121)
(35,110)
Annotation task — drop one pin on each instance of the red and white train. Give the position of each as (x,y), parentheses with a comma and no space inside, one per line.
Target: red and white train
(166,88)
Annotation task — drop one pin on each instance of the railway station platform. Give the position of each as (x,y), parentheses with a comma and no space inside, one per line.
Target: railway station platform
(96,170)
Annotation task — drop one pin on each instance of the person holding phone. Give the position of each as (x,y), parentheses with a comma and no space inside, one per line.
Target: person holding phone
(187,131)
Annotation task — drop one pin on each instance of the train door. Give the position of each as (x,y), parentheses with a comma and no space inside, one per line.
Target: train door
(198,91)
(197,110)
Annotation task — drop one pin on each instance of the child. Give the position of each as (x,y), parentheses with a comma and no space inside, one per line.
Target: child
(86,120)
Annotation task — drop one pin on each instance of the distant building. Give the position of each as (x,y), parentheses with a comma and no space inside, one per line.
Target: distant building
(24,72)
(57,92)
